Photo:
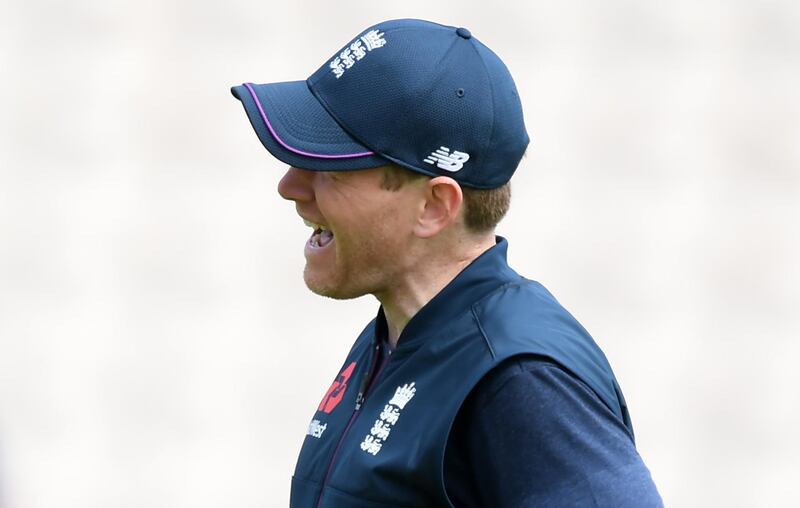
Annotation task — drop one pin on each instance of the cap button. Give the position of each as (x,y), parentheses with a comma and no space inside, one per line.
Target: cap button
(463,32)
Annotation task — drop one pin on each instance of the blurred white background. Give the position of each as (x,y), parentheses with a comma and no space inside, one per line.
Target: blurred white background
(158,347)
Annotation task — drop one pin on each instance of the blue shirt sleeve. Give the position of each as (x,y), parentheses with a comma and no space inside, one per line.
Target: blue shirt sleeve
(532,435)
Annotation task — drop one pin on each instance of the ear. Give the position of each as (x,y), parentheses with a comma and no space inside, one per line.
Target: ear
(442,202)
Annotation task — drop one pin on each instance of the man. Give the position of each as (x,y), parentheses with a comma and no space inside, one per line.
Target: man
(472,386)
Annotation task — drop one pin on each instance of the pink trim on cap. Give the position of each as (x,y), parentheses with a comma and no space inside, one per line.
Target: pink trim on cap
(295,150)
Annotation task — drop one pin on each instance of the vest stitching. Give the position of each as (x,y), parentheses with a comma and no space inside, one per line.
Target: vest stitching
(483,333)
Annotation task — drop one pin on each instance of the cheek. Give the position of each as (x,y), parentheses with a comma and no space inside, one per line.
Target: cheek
(396,222)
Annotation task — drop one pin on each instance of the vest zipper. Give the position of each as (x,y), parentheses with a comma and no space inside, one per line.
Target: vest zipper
(367,382)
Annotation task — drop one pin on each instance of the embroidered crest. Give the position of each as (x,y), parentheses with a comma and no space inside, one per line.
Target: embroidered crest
(357,50)
(388,418)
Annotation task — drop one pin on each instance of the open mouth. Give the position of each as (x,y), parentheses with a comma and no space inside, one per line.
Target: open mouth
(321,236)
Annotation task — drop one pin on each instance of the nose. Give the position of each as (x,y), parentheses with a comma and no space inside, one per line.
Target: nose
(296,185)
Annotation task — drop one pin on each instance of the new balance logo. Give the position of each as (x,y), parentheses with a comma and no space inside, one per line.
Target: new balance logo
(446,160)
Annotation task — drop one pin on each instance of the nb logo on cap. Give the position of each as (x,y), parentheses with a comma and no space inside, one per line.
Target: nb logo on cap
(444,159)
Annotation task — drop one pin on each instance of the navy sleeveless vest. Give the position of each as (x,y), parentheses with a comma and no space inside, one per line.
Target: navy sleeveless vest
(383,445)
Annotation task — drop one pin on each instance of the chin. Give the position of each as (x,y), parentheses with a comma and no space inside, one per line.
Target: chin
(336,290)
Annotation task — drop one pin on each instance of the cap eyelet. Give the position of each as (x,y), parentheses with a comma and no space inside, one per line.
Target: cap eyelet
(460,92)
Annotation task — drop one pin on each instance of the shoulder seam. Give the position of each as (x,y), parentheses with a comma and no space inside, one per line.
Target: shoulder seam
(483,333)
(477,319)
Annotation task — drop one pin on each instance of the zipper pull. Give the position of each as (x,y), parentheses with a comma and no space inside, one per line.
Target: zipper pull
(359,400)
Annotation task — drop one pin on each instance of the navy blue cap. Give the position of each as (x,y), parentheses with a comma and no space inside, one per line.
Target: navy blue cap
(428,97)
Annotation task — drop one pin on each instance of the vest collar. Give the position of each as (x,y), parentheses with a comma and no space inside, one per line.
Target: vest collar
(486,273)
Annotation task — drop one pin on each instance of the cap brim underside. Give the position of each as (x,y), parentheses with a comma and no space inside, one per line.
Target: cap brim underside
(295,128)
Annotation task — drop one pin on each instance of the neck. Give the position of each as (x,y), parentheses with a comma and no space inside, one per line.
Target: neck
(419,285)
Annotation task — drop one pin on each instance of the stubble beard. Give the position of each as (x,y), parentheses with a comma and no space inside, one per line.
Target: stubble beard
(352,276)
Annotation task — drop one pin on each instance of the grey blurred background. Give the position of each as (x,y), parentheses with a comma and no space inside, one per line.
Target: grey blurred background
(158,347)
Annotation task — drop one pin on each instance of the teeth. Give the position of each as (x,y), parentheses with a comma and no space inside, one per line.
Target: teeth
(314,226)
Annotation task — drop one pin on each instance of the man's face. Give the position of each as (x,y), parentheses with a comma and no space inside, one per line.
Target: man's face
(367,247)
